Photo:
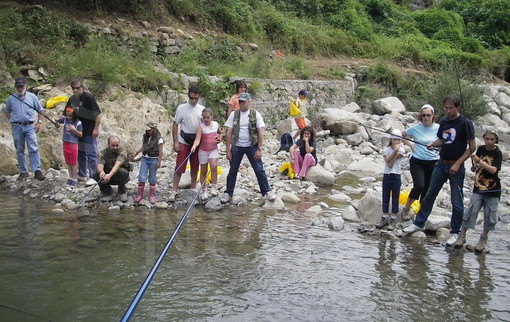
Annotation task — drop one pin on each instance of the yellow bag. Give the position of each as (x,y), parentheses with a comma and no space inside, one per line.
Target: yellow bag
(51,102)
(209,177)
(294,108)
(287,169)
(402,199)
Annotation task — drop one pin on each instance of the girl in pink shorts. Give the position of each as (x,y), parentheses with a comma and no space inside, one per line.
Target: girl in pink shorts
(208,136)
(72,131)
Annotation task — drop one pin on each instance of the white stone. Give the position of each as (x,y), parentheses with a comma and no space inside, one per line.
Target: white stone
(336,223)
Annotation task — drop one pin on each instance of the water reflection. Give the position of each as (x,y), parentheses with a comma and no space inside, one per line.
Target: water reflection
(237,264)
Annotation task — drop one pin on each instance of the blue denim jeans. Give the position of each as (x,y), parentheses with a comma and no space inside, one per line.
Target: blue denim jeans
(439,176)
(148,165)
(258,167)
(490,211)
(87,155)
(21,134)
(390,185)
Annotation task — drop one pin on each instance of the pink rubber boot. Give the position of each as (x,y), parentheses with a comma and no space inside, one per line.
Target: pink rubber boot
(152,192)
(139,195)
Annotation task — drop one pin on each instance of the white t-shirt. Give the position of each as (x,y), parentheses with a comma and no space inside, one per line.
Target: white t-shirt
(189,118)
(396,165)
(244,127)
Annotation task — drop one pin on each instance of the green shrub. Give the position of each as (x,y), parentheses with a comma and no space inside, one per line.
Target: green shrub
(431,21)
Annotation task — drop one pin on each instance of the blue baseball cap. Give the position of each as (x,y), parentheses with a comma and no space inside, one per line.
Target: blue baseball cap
(243,97)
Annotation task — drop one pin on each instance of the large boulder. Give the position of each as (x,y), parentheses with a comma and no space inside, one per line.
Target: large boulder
(369,208)
(339,121)
(319,176)
(388,105)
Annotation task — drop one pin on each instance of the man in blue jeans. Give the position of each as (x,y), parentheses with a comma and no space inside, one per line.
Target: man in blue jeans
(456,137)
(245,135)
(24,113)
(85,106)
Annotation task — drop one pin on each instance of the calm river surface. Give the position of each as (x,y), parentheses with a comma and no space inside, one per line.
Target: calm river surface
(237,265)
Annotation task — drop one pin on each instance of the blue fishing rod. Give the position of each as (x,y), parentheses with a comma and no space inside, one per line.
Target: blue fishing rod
(138,297)
(167,182)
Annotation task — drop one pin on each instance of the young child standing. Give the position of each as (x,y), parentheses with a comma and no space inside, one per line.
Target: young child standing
(486,192)
(72,131)
(391,180)
(152,153)
(303,152)
(208,136)
(301,103)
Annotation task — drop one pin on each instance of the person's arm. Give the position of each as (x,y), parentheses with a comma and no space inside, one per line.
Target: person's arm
(258,153)
(308,148)
(393,156)
(489,168)
(73,129)
(228,137)
(434,144)
(198,137)
(175,129)
(160,155)
(95,132)
(220,135)
(107,176)
(100,170)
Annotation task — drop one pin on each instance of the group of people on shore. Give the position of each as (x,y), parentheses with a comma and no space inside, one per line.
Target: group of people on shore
(438,154)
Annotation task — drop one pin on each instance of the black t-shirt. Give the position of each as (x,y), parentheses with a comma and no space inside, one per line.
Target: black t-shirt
(455,135)
(485,182)
(302,150)
(87,110)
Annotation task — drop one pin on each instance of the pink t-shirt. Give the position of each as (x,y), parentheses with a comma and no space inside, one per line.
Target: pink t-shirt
(209,136)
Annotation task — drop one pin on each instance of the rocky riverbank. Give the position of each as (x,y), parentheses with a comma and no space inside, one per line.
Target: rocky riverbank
(347,178)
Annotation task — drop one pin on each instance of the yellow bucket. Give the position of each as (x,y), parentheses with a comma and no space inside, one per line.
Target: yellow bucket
(402,199)
(287,169)
(208,179)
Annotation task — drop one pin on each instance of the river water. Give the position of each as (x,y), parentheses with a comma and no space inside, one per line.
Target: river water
(239,264)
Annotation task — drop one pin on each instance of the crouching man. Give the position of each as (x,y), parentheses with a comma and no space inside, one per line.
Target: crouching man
(113,169)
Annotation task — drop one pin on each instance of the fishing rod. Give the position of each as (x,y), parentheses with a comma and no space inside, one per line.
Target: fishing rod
(166,183)
(389,132)
(81,202)
(138,297)
(21,311)
(22,101)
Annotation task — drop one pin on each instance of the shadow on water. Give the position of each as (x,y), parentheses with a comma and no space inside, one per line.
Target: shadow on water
(238,264)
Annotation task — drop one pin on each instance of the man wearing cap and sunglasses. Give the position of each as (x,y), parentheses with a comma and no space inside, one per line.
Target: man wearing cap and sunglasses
(25,114)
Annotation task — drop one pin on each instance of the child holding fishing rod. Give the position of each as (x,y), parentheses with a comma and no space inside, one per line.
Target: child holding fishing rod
(73,130)
(208,136)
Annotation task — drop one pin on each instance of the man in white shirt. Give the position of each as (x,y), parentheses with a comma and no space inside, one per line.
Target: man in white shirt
(188,115)
(245,135)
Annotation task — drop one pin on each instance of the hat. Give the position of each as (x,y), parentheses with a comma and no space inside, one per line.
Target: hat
(396,134)
(427,106)
(243,97)
(303,92)
(150,125)
(20,82)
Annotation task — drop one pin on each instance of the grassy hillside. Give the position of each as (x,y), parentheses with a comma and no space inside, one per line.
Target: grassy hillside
(390,48)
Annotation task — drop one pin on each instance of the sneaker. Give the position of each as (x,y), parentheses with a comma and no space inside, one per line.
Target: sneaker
(461,240)
(39,175)
(90,182)
(391,223)
(204,195)
(383,223)
(452,240)
(411,229)
(214,192)
(482,242)
(406,214)
(22,176)
(72,182)
(225,198)
(123,197)
(271,196)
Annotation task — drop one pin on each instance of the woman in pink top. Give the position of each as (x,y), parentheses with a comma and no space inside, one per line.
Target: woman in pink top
(233,103)
(208,136)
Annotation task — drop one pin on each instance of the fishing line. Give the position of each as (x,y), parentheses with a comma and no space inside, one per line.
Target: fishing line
(80,203)
(165,185)
(21,311)
(138,297)
(22,101)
